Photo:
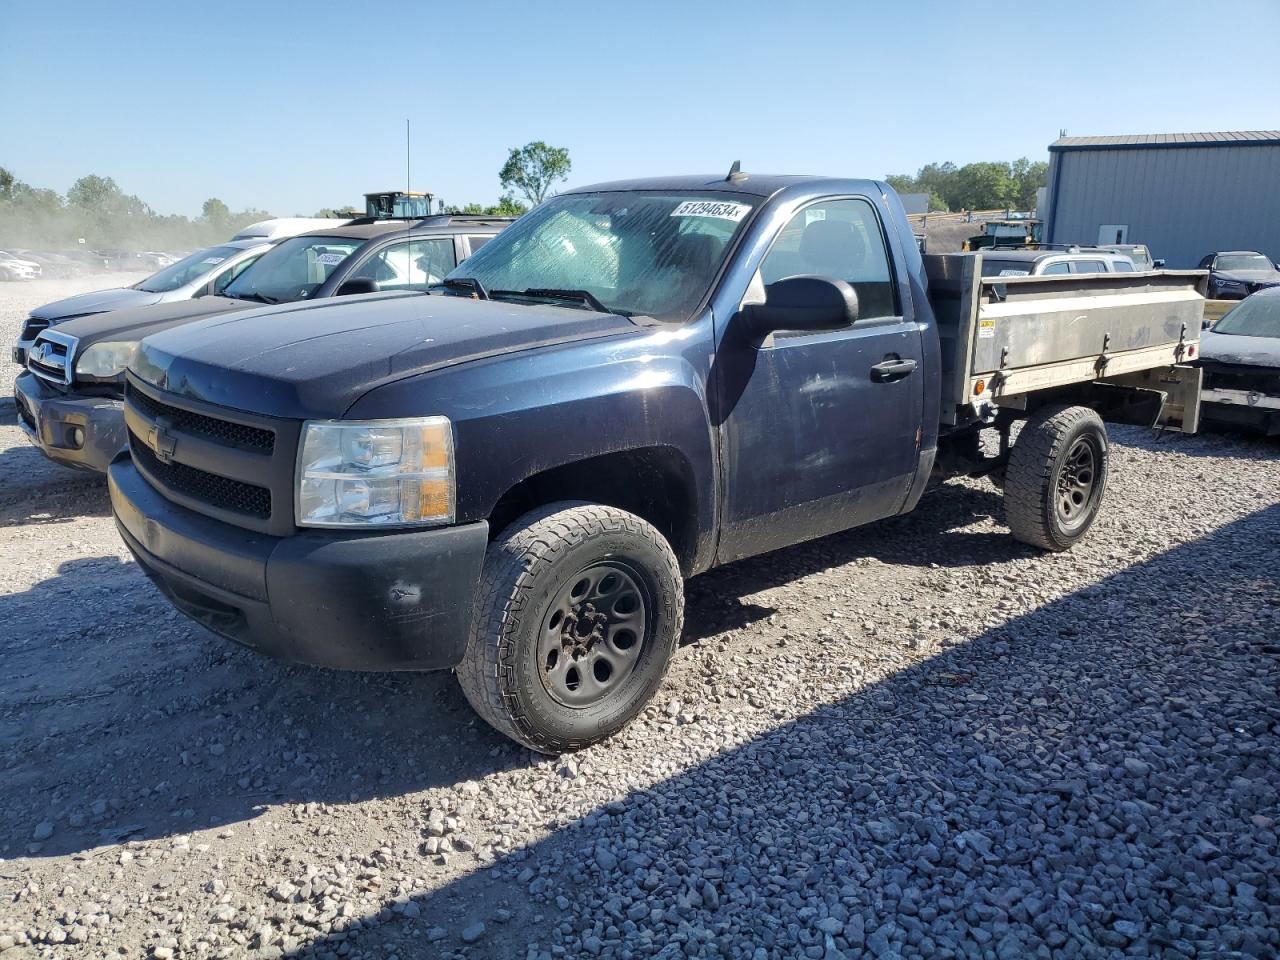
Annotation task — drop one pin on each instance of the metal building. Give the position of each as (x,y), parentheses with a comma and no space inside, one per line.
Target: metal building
(1181,194)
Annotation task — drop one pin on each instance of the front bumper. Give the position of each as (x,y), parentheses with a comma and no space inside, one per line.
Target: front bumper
(76,431)
(1253,409)
(393,600)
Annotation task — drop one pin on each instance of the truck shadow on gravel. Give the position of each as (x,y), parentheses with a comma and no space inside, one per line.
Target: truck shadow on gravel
(109,688)
(1213,440)
(1100,776)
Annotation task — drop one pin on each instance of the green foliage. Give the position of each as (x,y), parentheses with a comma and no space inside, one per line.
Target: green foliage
(976,186)
(507,206)
(97,210)
(532,169)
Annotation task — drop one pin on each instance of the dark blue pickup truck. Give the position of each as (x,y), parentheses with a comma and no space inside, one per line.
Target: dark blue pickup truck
(513,475)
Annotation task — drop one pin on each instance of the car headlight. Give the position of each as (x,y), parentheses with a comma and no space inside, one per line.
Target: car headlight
(105,360)
(375,473)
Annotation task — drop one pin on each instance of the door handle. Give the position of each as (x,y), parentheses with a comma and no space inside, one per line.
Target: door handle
(889,370)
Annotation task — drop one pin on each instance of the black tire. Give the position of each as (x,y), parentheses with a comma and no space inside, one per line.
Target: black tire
(527,630)
(1057,477)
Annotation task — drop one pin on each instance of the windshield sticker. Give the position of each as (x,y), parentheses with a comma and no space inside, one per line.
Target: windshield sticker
(711,208)
(213,259)
(331,258)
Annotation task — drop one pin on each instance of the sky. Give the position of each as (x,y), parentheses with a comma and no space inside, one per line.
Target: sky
(293,106)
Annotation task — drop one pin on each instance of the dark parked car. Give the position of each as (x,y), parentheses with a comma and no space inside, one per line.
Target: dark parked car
(632,384)
(1240,355)
(69,398)
(1234,274)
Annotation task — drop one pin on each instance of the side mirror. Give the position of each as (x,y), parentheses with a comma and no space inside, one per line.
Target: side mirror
(1206,323)
(356,285)
(804,303)
(1158,264)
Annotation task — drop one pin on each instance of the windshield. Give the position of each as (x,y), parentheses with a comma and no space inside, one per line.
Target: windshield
(188,269)
(1255,317)
(1245,261)
(292,270)
(633,253)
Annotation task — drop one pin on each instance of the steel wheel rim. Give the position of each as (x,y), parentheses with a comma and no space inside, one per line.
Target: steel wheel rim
(1077,484)
(593,634)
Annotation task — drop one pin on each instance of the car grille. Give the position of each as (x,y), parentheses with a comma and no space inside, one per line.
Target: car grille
(1238,378)
(221,492)
(235,467)
(51,356)
(210,428)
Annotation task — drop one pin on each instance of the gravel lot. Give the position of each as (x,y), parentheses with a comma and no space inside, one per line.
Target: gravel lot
(917,739)
(17,300)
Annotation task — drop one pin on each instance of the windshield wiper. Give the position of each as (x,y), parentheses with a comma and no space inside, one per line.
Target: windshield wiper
(260,297)
(469,284)
(585,297)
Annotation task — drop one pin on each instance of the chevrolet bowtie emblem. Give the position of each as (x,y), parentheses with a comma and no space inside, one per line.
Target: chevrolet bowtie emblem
(162,443)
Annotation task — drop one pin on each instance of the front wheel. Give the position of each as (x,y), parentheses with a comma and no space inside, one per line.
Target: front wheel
(1056,477)
(578,611)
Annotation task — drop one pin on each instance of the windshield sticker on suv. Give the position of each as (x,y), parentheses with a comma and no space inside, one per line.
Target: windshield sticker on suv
(331,258)
(711,208)
(214,260)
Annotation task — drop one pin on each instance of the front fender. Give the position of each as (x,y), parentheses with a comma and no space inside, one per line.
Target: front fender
(517,416)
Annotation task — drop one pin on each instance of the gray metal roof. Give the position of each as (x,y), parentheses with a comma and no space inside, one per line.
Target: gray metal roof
(1162,140)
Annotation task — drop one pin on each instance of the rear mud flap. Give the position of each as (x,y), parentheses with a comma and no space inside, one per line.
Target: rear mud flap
(1168,397)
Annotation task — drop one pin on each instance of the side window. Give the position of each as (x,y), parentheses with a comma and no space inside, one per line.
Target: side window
(840,239)
(475,243)
(227,276)
(1054,268)
(409,264)
(1124,266)
(1088,266)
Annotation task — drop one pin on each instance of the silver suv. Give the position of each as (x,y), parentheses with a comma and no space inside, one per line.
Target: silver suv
(1041,263)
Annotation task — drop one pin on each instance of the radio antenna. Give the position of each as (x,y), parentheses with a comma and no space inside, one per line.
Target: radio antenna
(408,199)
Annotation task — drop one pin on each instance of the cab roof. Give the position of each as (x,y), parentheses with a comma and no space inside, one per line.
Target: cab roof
(750,184)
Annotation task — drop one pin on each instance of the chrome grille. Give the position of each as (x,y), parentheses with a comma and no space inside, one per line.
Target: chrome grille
(51,357)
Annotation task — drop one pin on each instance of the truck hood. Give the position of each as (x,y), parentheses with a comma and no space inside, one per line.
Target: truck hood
(98,301)
(139,322)
(1246,351)
(314,360)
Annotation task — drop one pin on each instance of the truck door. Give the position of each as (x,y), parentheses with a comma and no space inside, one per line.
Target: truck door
(820,431)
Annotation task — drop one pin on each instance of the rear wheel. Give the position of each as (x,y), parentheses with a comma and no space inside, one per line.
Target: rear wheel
(578,611)
(1056,477)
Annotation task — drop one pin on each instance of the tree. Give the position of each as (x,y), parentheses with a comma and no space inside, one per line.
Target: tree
(93,193)
(976,186)
(533,168)
(507,206)
(215,212)
(7,181)
(1029,177)
(984,186)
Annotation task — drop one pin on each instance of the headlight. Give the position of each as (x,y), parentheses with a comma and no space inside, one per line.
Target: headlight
(105,360)
(375,473)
